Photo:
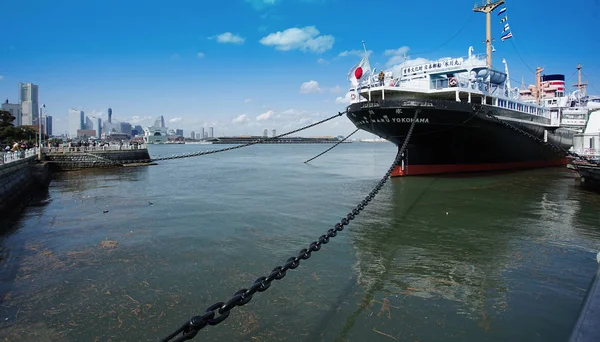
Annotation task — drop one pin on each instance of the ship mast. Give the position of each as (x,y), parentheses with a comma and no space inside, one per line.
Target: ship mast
(580,85)
(487,8)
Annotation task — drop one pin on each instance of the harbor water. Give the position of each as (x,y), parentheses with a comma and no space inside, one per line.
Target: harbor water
(130,254)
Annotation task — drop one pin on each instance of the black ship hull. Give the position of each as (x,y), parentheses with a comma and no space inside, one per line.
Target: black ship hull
(452,137)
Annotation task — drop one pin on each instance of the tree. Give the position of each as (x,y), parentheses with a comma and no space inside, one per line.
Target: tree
(6,119)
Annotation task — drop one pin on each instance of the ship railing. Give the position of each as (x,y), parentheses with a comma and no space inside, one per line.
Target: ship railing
(111,147)
(12,156)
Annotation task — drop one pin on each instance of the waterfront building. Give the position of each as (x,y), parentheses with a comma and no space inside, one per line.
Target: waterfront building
(48,125)
(28,99)
(75,122)
(211,132)
(155,135)
(15,110)
(109,115)
(193,135)
(179,132)
(99,126)
(265,133)
(202,135)
(274,133)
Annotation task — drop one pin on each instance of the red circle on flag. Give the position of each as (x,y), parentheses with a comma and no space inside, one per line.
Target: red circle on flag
(358,73)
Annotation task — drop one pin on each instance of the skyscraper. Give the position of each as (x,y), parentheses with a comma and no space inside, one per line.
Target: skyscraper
(109,116)
(193,135)
(274,133)
(48,125)
(160,122)
(265,133)
(202,136)
(75,122)
(211,132)
(99,124)
(28,98)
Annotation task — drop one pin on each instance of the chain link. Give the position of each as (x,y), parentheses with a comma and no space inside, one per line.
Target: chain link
(546,143)
(219,311)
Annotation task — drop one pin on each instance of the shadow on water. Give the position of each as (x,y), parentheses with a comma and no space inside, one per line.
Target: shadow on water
(458,250)
(11,253)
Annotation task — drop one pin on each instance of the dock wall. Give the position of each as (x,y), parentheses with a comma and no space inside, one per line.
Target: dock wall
(19,179)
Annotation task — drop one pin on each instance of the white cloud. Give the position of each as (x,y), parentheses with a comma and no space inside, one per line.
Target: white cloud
(200,55)
(241,119)
(305,39)
(358,53)
(248,100)
(322,61)
(175,120)
(395,52)
(310,87)
(139,120)
(397,56)
(265,116)
(343,100)
(336,89)
(228,38)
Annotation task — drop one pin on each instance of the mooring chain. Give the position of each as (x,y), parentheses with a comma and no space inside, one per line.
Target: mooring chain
(332,147)
(549,144)
(219,311)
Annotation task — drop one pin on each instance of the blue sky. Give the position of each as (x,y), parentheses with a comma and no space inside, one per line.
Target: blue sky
(240,65)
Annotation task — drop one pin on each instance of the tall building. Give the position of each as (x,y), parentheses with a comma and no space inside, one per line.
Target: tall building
(211,132)
(265,133)
(179,132)
(160,122)
(99,126)
(47,125)
(109,115)
(274,133)
(88,123)
(75,122)
(125,127)
(15,110)
(202,135)
(28,99)
(193,135)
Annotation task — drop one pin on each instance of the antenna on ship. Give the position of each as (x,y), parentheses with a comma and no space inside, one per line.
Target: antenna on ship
(487,7)
(580,85)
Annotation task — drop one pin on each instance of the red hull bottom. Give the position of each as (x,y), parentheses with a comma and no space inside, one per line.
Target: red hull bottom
(415,170)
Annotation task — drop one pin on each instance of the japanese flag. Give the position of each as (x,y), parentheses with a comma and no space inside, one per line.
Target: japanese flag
(360,72)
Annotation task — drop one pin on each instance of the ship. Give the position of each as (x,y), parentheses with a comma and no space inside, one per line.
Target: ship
(466,115)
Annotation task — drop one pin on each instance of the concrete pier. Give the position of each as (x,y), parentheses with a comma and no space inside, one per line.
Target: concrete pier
(19,179)
(587,328)
(66,159)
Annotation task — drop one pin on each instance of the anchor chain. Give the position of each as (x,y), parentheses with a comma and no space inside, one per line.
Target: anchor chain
(546,143)
(219,311)
(202,153)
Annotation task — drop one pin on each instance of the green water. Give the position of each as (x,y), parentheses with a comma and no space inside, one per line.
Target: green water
(502,257)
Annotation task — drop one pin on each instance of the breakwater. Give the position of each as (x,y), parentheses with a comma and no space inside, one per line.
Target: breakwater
(77,159)
(19,178)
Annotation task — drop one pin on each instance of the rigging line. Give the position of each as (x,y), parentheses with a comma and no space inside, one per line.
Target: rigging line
(590,85)
(467,22)
(331,148)
(521,57)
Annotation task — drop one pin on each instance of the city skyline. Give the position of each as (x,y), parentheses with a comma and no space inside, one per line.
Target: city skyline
(280,64)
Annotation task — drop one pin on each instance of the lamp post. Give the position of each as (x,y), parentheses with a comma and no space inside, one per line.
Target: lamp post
(40,131)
